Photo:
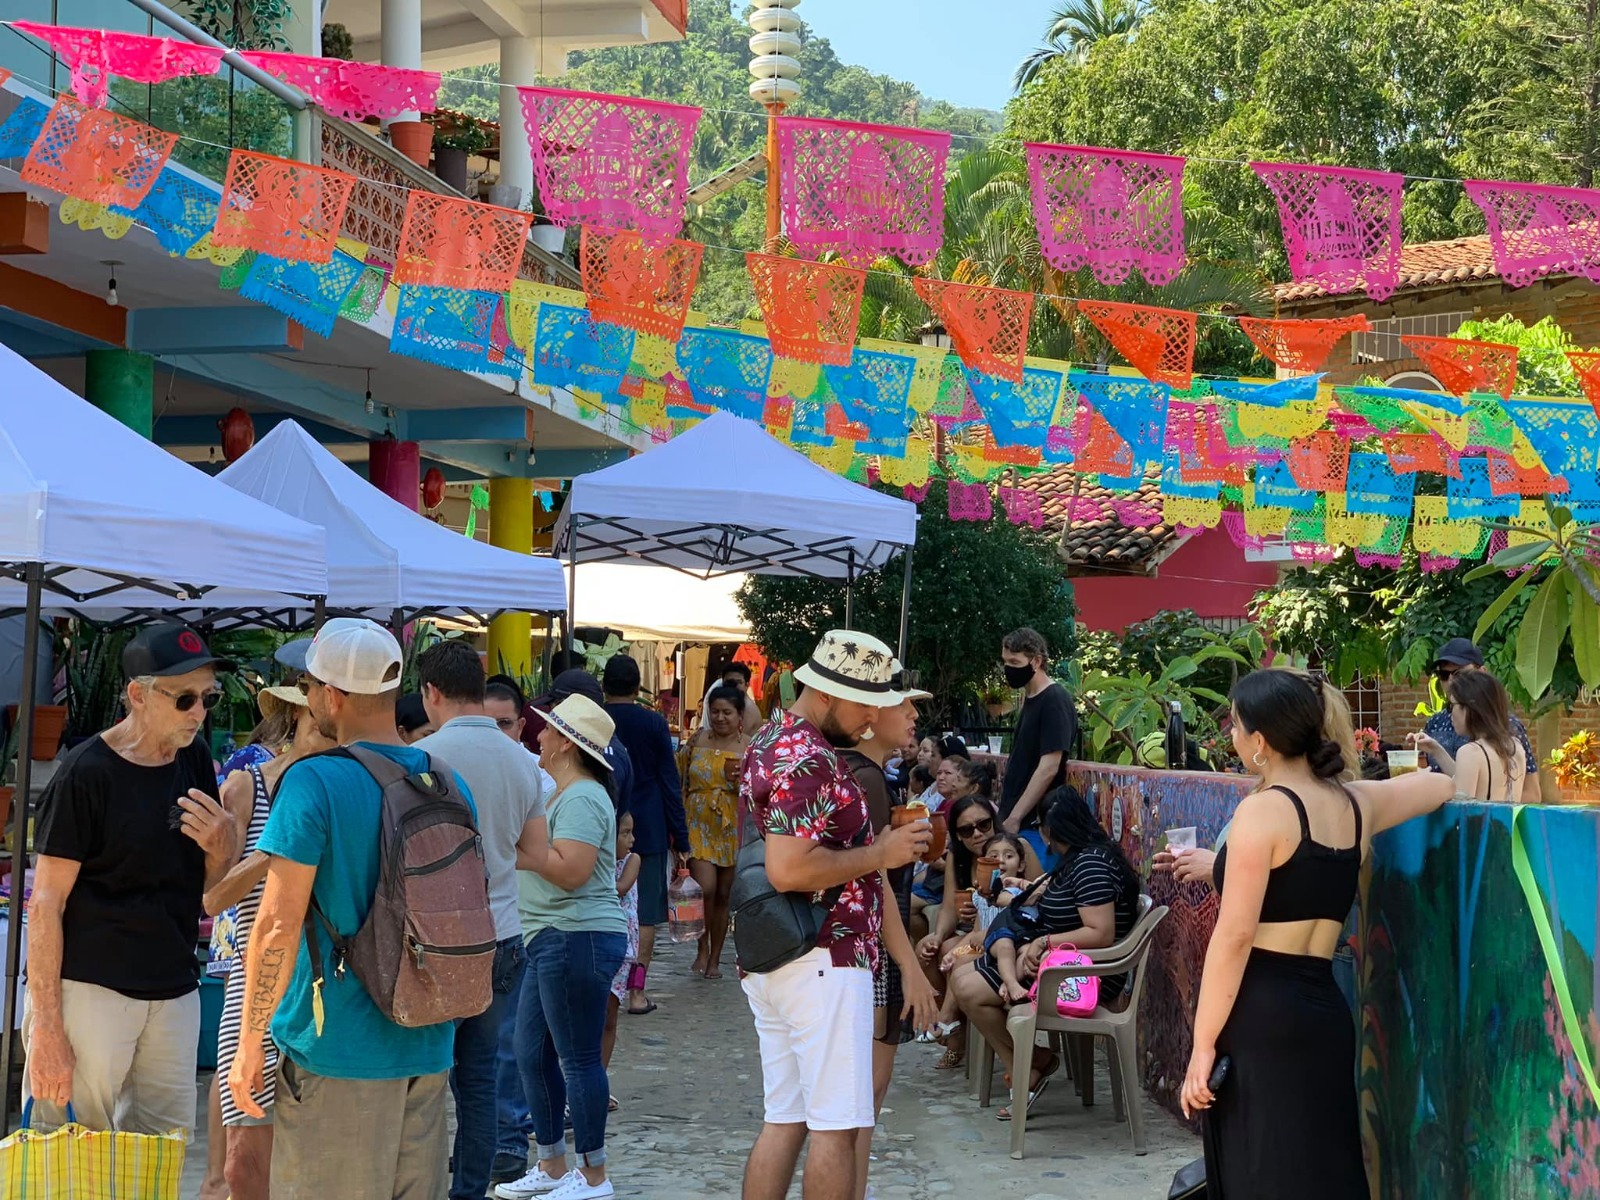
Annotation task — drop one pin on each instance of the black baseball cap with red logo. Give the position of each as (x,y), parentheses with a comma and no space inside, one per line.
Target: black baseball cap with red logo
(168,648)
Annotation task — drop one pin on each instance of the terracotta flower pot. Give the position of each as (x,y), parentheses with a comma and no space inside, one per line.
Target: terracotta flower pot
(414,139)
(49,721)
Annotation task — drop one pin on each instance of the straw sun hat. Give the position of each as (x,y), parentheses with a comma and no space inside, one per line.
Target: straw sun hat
(857,666)
(585,724)
(274,700)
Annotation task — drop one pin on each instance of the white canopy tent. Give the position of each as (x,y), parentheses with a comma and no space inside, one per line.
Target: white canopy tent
(384,560)
(90,510)
(728,497)
(646,603)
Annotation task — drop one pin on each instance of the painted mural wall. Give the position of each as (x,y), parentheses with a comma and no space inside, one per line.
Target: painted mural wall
(1477,1030)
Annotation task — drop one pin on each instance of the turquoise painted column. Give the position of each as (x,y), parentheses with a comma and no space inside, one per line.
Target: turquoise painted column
(121,383)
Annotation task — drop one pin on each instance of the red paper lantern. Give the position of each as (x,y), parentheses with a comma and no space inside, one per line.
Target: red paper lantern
(433,488)
(238,434)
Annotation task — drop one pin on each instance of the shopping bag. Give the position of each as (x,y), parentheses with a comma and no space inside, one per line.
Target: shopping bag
(74,1163)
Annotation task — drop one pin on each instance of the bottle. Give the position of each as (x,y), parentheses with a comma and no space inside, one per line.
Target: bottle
(686,909)
(1177,745)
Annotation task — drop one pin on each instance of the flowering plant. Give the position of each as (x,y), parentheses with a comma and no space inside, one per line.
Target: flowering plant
(1367,743)
(1577,761)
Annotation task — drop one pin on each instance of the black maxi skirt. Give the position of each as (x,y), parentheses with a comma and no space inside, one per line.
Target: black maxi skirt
(1285,1123)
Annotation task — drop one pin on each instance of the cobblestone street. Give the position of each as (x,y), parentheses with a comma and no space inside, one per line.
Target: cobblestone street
(688,1079)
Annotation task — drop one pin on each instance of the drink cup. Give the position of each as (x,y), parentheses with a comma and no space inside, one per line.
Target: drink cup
(994,743)
(1402,762)
(940,837)
(1179,840)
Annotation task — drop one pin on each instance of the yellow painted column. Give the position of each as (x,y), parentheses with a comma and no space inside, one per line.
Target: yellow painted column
(511,528)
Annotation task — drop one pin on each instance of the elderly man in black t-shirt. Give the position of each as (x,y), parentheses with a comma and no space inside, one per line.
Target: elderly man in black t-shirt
(130,833)
(1046,729)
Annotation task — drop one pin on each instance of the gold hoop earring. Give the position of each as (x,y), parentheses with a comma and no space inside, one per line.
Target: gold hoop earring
(1258,759)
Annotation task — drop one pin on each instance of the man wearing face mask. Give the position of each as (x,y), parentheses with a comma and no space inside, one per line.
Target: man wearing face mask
(1046,729)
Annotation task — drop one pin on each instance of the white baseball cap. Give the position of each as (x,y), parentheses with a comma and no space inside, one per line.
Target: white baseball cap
(355,655)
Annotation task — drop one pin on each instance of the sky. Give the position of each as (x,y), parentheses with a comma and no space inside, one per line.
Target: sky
(963,51)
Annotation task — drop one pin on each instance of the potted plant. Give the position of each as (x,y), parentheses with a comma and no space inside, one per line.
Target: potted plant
(1577,766)
(453,143)
(997,699)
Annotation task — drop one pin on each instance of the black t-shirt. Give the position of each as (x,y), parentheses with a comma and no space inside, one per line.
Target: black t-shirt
(133,917)
(1048,722)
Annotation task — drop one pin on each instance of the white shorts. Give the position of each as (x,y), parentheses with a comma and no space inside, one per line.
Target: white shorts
(815,1024)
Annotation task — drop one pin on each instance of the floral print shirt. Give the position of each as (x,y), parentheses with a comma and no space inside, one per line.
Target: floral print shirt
(795,785)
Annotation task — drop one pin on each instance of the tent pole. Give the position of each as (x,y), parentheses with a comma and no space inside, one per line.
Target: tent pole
(905,607)
(850,594)
(319,613)
(572,587)
(544,654)
(34,578)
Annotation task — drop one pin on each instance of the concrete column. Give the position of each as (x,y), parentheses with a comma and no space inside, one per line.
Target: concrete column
(519,66)
(511,528)
(401,39)
(121,383)
(395,469)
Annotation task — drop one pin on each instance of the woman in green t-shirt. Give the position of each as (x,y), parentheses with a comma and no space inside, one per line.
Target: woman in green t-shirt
(576,934)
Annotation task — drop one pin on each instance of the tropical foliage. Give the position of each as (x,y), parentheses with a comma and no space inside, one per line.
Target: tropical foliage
(709,68)
(974,582)
(1076,28)
(1489,89)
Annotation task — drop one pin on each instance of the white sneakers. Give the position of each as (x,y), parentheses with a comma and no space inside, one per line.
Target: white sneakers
(571,1186)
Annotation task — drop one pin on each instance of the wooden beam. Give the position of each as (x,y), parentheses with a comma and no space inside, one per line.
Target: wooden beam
(24,224)
(44,298)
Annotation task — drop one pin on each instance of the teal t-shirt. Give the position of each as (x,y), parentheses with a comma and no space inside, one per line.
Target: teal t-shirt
(326,814)
(581,813)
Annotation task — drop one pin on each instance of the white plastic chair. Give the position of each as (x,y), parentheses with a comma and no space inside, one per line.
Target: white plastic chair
(1026,1022)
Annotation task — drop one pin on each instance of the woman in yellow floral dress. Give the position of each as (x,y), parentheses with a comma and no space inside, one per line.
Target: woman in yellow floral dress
(710,766)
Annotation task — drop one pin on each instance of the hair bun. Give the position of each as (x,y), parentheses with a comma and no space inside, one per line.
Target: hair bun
(1326,761)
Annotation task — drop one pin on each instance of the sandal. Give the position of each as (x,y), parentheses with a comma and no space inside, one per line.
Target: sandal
(612,1105)
(1004,1114)
(955,1057)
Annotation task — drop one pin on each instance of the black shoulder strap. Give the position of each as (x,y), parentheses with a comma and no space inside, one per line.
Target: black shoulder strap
(1300,810)
(1355,806)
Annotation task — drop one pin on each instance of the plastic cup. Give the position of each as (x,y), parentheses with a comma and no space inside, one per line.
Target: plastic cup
(1182,839)
(994,743)
(1402,762)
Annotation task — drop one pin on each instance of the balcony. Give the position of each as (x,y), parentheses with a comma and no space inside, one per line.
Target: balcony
(467,33)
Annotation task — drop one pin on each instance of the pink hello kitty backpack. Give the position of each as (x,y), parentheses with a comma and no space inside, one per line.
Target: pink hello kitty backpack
(1076,995)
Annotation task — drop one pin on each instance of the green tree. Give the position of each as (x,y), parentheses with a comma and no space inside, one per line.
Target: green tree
(972,583)
(1437,88)
(1076,28)
(1542,365)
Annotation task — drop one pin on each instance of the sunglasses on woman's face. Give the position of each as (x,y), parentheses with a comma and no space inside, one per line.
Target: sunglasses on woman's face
(184,701)
(975,828)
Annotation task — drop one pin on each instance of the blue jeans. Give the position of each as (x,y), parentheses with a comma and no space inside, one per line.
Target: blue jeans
(472,1079)
(516,1122)
(560,1019)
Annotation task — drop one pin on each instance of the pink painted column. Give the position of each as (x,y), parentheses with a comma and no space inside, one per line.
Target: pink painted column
(395,469)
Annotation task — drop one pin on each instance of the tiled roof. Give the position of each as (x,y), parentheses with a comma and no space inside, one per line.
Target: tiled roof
(1106,543)
(1425,264)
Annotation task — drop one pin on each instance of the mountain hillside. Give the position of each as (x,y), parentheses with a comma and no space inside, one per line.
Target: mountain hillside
(709,68)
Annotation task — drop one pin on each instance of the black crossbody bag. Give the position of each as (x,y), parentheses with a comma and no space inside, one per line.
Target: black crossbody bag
(771,929)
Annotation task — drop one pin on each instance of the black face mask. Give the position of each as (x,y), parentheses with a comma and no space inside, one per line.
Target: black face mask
(1020,677)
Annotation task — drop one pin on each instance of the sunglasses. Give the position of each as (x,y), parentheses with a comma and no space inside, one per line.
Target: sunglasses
(974,828)
(184,701)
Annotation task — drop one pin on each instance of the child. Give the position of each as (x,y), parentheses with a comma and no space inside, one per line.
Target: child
(1000,939)
(1005,849)
(628,890)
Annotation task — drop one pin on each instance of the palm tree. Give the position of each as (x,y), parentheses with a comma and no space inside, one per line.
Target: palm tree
(1075,28)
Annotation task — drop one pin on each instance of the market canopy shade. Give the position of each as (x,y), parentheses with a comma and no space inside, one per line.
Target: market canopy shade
(646,603)
(381,555)
(102,509)
(726,497)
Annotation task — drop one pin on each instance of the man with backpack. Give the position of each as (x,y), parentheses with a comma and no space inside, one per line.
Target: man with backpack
(374,935)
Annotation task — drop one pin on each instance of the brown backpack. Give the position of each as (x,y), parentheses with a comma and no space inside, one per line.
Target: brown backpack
(425,953)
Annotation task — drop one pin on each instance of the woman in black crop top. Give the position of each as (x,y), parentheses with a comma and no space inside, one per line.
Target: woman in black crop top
(1283,1123)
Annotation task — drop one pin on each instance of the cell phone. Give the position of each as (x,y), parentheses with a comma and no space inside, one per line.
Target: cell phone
(1219,1073)
(995,882)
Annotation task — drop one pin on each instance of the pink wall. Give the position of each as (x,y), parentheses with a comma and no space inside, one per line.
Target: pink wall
(1208,573)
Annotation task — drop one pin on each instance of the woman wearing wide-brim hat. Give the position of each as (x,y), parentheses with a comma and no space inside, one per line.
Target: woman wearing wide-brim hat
(234,902)
(576,935)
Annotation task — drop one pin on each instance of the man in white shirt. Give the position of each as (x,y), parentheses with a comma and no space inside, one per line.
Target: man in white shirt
(509,790)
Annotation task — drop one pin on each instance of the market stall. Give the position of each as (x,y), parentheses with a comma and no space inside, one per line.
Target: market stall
(90,511)
(727,497)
